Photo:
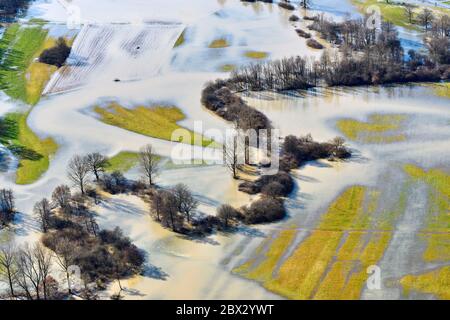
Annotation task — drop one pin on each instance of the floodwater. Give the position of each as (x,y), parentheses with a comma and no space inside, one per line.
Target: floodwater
(181,268)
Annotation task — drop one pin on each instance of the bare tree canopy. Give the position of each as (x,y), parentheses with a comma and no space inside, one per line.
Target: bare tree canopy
(42,210)
(34,264)
(78,172)
(97,164)
(66,251)
(7,206)
(169,210)
(149,163)
(226,213)
(8,267)
(61,196)
(426,18)
(185,201)
(232,154)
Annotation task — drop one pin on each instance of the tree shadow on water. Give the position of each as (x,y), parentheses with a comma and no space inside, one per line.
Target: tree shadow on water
(9,131)
(155,272)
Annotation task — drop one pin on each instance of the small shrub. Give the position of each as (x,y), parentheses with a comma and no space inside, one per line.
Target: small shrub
(286,6)
(303,34)
(263,211)
(312,43)
(56,55)
(273,190)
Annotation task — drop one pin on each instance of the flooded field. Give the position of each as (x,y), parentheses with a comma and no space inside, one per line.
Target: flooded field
(385,208)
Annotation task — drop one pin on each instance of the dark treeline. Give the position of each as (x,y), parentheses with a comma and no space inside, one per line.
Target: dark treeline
(368,56)
(10,8)
(218,98)
(285,74)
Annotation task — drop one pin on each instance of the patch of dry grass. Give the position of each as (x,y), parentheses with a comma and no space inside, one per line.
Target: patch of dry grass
(157,121)
(380,128)
(219,43)
(256,54)
(436,282)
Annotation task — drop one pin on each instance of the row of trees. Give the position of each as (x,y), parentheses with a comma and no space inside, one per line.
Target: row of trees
(94,165)
(27,272)
(217,97)
(368,56)
(425,18)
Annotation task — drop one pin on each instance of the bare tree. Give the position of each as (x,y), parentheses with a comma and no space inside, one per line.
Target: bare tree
(90,223)
(29,278)
(7,205)
(8,266)
(97,164)
(156,203)
(441,27)
(225,213)
(185,201)
(149,163)
(43,259)
(169,209)
(305,4)
(78,171)
(33,270)
(61,197)
(426,18)
(66,251)
(118,266)
(43,213)
(231,156)
(409,12)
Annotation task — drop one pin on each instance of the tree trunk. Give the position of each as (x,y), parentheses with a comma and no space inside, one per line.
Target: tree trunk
(120,285)
(96,175)
(69,289)
(11,287)
(171,219)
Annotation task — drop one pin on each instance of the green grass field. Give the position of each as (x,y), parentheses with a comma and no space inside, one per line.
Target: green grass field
(395,13)
(435,282)
(19,46)
(157,121)
(33,152)
(331,262)
(23,78)
(442,89)
(123,161)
